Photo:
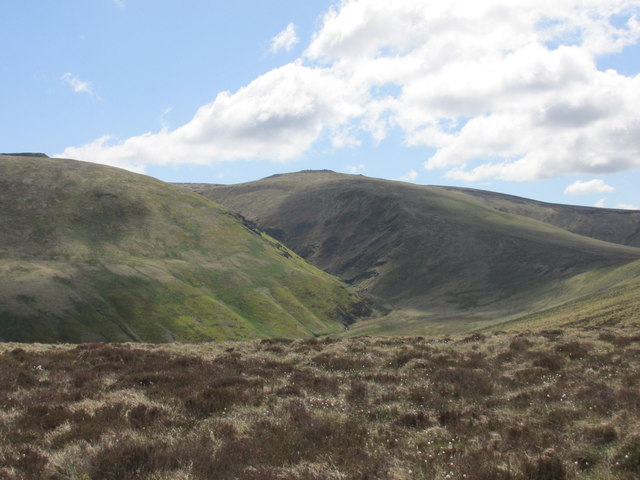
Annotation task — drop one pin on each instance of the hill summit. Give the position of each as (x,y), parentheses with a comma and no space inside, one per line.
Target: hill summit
(437,256)
(95,253)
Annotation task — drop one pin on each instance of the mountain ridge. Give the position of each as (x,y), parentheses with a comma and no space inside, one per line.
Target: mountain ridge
(587,221)
(428,250)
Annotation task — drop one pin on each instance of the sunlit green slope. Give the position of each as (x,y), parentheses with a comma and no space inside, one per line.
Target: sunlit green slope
(94,253)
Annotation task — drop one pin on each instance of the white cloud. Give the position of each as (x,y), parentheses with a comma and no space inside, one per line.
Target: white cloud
(285,40)
(410,176)
(601,203)
(344,138)
(120,3)
(277,117)
(98,151)
(355,168)
(586,188)
(77,85)
(626,206)
(511,75)
(163,117)
(504,89)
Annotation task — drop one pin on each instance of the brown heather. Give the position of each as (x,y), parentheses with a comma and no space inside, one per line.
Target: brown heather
(552,405)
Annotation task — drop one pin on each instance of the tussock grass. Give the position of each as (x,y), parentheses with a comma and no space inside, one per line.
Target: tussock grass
(556,404)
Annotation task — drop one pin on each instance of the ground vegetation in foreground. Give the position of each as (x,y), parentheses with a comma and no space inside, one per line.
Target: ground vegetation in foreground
(555,404)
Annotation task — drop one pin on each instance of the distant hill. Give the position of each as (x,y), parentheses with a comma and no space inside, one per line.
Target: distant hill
(94,253)
(608,224)
(41,155)
(433,258)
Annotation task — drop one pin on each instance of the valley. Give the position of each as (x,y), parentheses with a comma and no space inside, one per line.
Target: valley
(441,260)
(93,253)
(310,326)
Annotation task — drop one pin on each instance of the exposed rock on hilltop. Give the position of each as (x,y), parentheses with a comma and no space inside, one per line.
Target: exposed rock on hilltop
(37,155)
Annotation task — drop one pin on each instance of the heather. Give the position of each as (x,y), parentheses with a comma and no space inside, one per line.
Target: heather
(553,404)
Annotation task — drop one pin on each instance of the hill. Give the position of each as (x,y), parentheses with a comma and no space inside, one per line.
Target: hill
(94,253)
(608,224)
(618,304)
(433,259)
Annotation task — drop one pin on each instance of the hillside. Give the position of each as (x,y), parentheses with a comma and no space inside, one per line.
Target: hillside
(608,224)
(615,305)
(432,258)
(94,253)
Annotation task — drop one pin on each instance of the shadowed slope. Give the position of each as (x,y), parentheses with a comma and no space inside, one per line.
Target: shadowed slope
(606,307)
(89,252)
(608,224)
(436,253)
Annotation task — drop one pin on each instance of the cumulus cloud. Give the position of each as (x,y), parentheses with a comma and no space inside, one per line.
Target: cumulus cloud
(626,206)
(601,203)
(410,176)
(77,85)
(285,40)
(276,117)
(99,151)
(589,187)
(355,168)
(499,89)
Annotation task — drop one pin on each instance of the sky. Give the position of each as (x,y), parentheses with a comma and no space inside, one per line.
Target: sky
(537,99)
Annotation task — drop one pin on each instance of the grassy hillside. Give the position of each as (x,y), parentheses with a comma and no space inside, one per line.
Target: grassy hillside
(601,298)
(617,302)
(611,225)
(91,253)
(553,405)
(433,260)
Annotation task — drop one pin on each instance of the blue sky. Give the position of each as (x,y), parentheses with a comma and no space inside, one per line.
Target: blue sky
(534,100)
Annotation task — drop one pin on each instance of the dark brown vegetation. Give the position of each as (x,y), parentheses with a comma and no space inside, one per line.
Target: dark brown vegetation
(554,405)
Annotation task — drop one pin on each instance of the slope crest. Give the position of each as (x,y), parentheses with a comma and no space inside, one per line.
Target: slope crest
(608,224)
(95,253)
(437,253)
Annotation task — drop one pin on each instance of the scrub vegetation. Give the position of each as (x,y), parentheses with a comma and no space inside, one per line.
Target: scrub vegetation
(553,404)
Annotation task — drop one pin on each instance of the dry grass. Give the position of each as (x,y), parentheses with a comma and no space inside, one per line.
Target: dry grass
(553,405)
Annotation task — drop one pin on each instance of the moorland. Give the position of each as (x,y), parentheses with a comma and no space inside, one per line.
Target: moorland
(553,404)
(91,253)
(313,326)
